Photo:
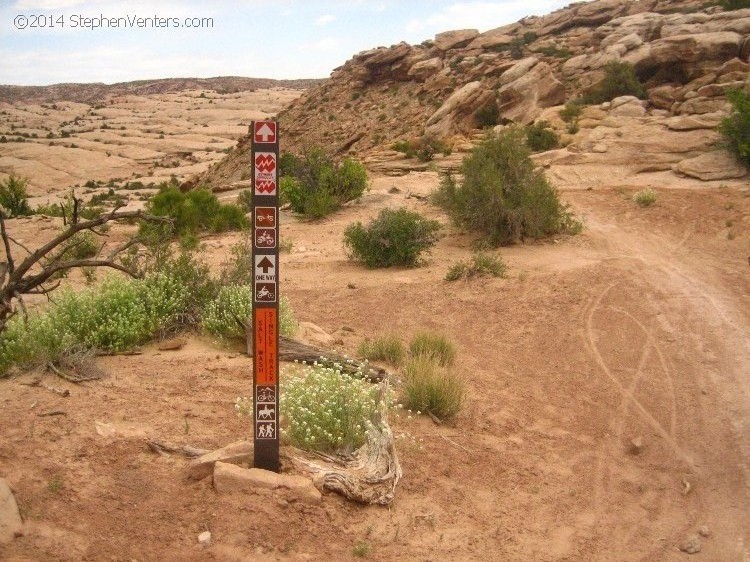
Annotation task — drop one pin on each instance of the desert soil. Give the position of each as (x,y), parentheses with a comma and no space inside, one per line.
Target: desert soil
(632,333)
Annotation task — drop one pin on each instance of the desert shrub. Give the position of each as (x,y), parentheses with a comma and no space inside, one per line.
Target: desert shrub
(245,200)
(115,316)
(326,410)
(194,211)
(488,115)
(736,127)
(433,346)
(428,387)
(540,137)
(516,48)
(645,197)
(288,164)
(395,237)
(81,245)
(424,148)
(730,5)
(387,348)
(481,265)
(504,195)
(226,315)
(13,197)
(619,80)
(195,277)
(571,113)
(319,185)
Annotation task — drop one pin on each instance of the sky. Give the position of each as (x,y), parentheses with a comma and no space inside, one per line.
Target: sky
(53,41)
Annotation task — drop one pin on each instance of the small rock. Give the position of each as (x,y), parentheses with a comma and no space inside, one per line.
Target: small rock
(240,452)
(636,446)
(204,538)
(173,344)
(230,479)
(692,545)
(10,519)
(704,531)
(600,148)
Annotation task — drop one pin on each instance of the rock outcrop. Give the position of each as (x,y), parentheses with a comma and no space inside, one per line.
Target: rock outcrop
(686,55)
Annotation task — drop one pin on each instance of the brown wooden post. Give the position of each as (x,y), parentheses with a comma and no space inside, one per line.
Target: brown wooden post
(265,313)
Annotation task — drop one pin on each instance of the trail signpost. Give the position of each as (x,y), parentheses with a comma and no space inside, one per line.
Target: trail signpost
(265,313)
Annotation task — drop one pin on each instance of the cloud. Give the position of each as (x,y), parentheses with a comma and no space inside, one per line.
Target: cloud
(325,44)
(479,15)
(47,4)
(325,19)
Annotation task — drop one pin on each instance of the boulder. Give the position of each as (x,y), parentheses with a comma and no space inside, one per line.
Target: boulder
(717,165)
(686,50)
(10,519)
(627,106)
(457,113)
(313,334)
(491,40)
(238,453)
(534,87)
(694,122)
(664,97)
(454,39)
(231,479)
(518,70)
(438,81)
(426,68)
(700,105)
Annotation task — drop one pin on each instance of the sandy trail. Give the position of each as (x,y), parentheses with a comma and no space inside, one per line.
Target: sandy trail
(635,330)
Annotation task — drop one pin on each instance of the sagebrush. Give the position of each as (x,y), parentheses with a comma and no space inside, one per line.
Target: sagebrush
(395,237)
(736,127)
(504,195)
(316,185)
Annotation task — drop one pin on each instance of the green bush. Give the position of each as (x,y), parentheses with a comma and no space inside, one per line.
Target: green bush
(225,316)
(192,212)
(326,410)
(116,316)
(481,264)
(434,346)
(394,238)
(736,128)
(731,5)
(488,115)
(517,45)
(13,197)
(571,113)
(383,348)
(431,388)
(423,148)
(540,137)
(503,195)
(318,186)
(645,197)
(245,200)
(619,80)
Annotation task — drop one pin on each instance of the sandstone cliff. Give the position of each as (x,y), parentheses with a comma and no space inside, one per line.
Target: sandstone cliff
(686,55)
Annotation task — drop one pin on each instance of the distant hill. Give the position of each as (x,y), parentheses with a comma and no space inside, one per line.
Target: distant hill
(94,92)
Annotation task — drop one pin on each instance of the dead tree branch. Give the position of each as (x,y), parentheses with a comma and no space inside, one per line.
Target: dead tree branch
(16,279)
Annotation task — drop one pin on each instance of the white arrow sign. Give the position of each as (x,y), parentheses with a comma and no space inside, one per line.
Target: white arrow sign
(265,133)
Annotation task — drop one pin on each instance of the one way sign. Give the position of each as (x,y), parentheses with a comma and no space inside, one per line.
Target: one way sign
(265,268)
(264,131)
